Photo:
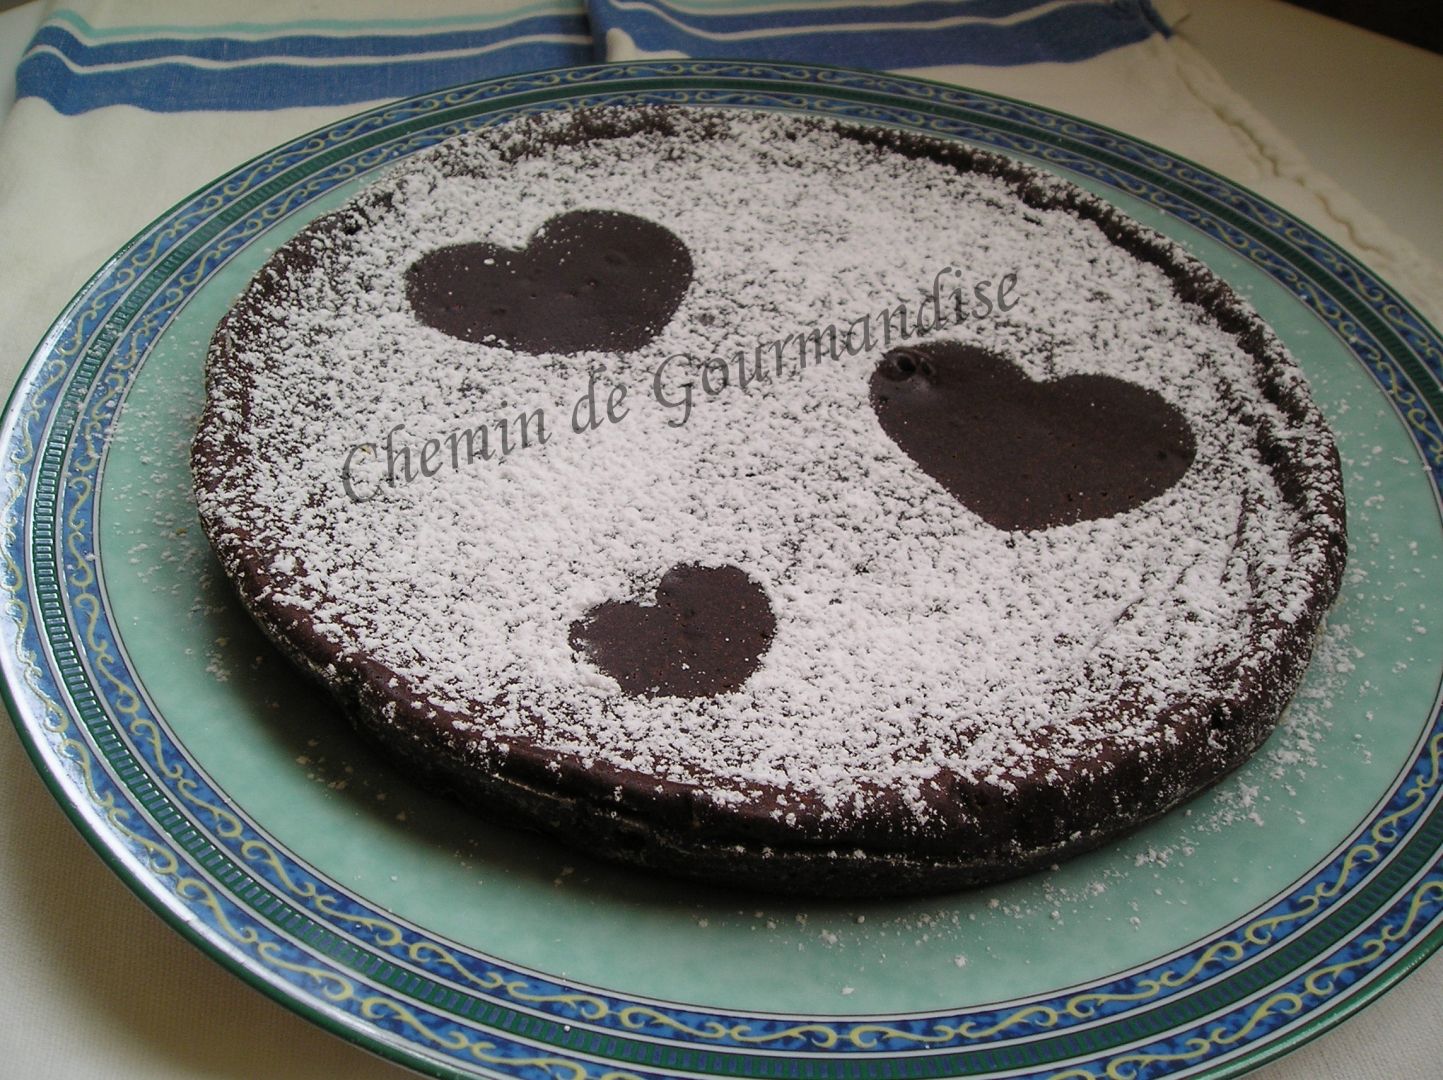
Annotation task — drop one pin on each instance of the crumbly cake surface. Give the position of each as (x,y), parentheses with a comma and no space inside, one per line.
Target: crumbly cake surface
(927,693)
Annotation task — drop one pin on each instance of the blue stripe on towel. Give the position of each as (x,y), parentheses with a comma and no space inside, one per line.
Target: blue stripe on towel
(990,32)
(294,46)
(76,71)
(723,18)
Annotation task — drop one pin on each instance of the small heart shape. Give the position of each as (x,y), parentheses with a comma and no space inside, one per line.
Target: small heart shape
(1023,454)
(705,634)
(587,280)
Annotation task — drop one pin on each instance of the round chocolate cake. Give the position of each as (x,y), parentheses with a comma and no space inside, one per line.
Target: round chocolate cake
(771,501)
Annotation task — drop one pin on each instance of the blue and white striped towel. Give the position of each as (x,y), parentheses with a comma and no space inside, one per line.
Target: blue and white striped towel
(891,34)
(88,56)
(185,59)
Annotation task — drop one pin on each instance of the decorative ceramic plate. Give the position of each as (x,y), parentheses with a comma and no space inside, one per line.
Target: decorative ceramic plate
(229,794)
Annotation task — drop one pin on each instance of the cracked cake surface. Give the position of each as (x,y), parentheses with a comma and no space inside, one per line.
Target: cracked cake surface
(774,501)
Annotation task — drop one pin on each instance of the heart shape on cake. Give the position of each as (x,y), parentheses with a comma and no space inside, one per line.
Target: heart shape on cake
(705,634)
(588,280)
(1024,454)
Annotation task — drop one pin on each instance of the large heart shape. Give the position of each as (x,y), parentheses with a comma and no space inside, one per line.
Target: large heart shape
(705,634)
(1024,454)
(587,280)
